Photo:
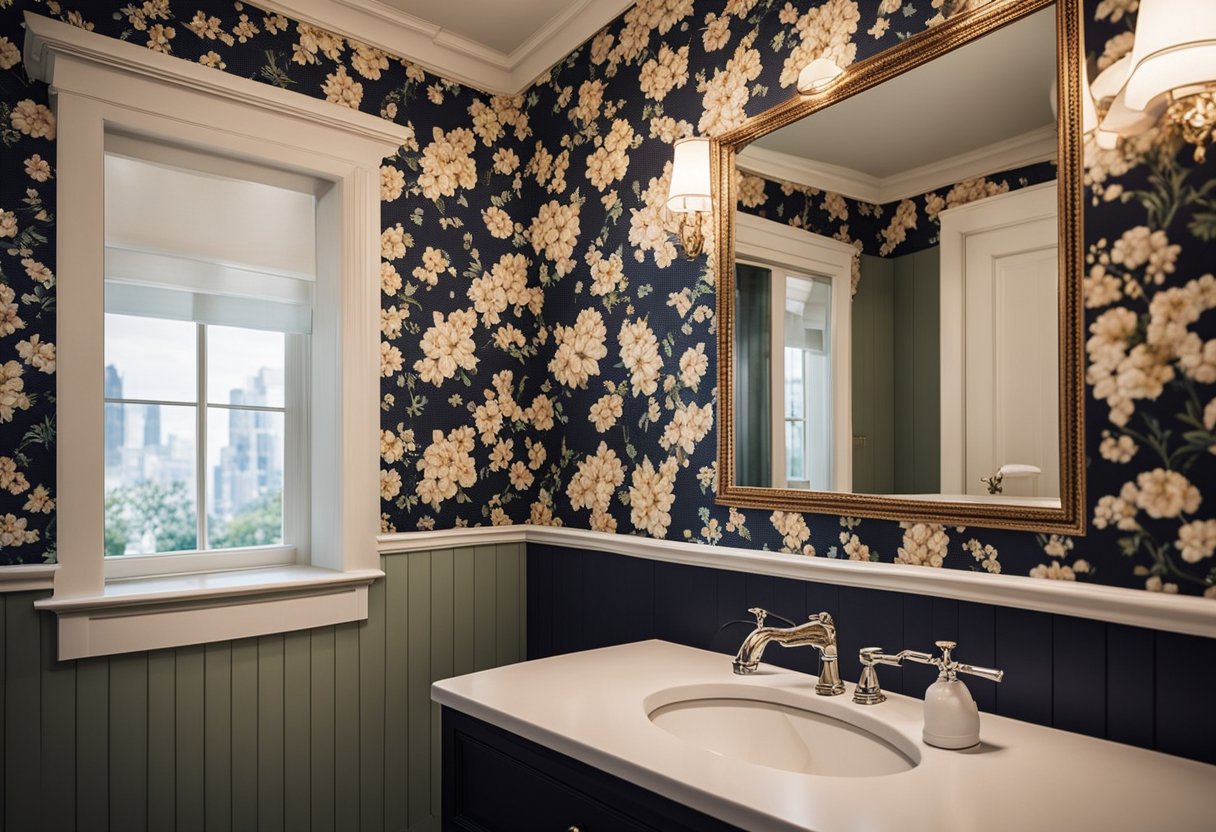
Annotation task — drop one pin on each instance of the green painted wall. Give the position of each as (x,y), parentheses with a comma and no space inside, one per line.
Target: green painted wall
(326,729)
(918,372)
(873,378)
(897,376)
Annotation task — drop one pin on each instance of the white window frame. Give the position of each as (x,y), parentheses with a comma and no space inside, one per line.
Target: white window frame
(101,85)
(788,250)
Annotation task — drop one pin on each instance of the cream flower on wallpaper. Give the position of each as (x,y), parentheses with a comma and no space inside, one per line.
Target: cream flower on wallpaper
(605,411)
(10,319)
(11,479)
(498,222)
(367,60)
(8,224)
(13,531)
(1164,494)
(554,233)
(986,555)
(897,230)
(640,356)
(793,530)
(652,226)
(590,99)
(541,512)
(924,544)
(726,93)
(37,168)
(502,455)
(487,418)
(716,33)
(390,280)
(666,71)
(519,476)
(688,426)
(12,391)
(506,284)
(1141,247)
(390,359)
(579,349)
(1119,449)
(392,183)
(1197,540)
(693,364)
(390,484)
(38,354)
(391,320)
(651,495)
(446,163)
(749,189)
(854,549)
(39,501)
(607,273)
(596,480)
(1119,511)
(610,160)
(824,31)
(508,338)
(448,346)
(540,413)
(536,453)
(1054,571)
(446,465)
(506,161)
(394,241)
(10,55)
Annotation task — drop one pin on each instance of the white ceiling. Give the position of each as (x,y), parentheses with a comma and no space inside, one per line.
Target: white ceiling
(499,46)
(991,91)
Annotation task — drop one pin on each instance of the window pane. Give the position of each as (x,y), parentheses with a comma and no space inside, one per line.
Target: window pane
(244,478)
(150,358)
(245,366)
(794,396)
(150,479)
(795,452)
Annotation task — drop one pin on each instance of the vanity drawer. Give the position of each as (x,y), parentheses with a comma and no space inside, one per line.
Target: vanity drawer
(495,781)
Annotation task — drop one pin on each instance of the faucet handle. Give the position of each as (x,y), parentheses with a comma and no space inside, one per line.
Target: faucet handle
(948,668)
(760,614)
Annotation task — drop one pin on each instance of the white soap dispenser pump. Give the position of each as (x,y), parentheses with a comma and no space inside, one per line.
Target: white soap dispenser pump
(952,719)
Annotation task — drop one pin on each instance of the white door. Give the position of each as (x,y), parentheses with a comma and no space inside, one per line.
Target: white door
(1007,393)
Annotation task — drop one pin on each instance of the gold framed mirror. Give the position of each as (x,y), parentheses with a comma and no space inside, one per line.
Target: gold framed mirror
(970,346)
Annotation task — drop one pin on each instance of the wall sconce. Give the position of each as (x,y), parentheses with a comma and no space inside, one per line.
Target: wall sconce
(817,76)
(1171,71)
(689,195)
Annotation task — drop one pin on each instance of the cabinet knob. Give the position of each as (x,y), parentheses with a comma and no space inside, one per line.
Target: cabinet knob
(573,829)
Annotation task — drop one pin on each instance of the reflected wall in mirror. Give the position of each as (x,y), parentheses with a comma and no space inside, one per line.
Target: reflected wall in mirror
(897,303)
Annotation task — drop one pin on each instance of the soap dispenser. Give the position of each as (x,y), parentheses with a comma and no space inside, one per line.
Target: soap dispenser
(952,719)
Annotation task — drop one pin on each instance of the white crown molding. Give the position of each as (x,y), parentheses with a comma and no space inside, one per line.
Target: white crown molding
(48,41)
(1133,607)
(1029,148)
(448,54)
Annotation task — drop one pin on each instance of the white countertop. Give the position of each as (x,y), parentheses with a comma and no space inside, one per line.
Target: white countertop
(1024,777)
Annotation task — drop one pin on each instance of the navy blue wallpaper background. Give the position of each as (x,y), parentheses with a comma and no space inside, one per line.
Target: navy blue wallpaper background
(547,356)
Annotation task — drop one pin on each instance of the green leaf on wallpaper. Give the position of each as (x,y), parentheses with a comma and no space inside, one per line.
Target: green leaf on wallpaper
(275,74)
(462,201)
(631,451)
(1203,225)
(416,216)
(759,90)
(778,40)
(644,290)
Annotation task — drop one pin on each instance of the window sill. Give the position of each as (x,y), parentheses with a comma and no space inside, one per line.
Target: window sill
(176,610)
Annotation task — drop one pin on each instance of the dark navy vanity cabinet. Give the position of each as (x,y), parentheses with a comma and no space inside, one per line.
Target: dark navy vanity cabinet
(495,781)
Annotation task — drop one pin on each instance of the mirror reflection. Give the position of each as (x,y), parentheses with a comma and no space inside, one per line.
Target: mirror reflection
(896,293)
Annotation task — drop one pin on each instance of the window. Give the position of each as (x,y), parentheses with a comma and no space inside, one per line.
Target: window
(208,298)
(207,369)
(807,389)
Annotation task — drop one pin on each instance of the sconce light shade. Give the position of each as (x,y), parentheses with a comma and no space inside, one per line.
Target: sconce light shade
(1175,48)
(818,76)
(690,188)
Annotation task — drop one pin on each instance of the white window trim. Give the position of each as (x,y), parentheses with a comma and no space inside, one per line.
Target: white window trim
(100,84)
(782,247)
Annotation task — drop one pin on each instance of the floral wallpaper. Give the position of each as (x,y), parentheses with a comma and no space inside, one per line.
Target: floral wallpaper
(548,356)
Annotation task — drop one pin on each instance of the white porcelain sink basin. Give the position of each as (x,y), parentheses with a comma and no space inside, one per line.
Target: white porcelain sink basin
(734,721)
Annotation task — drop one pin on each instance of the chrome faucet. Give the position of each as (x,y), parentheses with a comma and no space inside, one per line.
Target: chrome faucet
(818,632)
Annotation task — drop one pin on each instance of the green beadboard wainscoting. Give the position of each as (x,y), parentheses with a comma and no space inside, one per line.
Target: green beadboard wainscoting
(325,729)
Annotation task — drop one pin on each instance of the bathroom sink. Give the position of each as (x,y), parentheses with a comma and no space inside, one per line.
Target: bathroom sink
(734,721)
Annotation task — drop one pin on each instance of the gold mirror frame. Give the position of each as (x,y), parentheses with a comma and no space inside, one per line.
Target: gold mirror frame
(1069,518)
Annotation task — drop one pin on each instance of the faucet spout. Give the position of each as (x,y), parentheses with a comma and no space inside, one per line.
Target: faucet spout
(818,632)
